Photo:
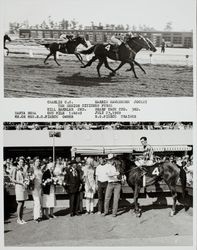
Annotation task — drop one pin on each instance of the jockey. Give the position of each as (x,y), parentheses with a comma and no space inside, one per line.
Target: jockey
(117,39)
(147,156)
(64,38)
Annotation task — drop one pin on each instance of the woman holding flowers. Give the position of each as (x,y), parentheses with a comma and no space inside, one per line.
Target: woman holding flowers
(48,187)
(37,190)
(19,177)
(90,184)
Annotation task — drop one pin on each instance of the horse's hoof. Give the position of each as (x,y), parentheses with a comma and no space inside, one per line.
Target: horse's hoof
(83,66)
(138,214)
(127,70)
(112,74)
(172,213)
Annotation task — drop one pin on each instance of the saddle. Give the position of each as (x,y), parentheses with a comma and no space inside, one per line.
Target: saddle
(62,47)
(114,48)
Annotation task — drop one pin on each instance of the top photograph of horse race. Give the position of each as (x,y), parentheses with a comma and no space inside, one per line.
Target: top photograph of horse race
(73,48)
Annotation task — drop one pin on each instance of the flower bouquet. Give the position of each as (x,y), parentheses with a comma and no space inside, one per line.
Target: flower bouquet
(29,181)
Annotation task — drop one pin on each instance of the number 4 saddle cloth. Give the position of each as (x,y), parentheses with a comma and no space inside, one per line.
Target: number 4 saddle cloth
(150,174)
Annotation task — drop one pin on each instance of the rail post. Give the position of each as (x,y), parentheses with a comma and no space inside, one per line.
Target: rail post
(187,56)
(150,57)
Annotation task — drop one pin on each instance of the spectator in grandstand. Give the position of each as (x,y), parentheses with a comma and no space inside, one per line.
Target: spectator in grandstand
(113,186)
(48,188)
(18,177)
(90,185)
(37,190)
(101,182)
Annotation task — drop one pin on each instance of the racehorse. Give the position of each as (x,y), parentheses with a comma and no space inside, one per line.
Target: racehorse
(126,53)
(66,48)
(6,38)
(167,171)
(137,48)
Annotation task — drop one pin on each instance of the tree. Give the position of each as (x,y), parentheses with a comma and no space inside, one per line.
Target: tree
(73,24)
(133,28)
(14,27)
(168,26)
(127,27)
(146,28)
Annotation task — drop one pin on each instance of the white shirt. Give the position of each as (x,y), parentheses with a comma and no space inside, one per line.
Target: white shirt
(101,172)
(112,173)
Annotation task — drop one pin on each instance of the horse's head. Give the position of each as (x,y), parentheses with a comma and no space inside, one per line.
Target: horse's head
(151,45)
(81,40)
(138,42)
(143,42)
(6,37)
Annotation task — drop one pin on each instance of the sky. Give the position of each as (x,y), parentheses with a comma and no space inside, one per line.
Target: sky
(153,13)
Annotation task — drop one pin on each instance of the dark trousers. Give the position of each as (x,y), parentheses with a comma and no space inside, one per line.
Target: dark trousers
(101,195)
(74,202)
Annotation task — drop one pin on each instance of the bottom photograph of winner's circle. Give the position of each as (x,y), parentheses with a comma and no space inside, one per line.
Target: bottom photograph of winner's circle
(98,184)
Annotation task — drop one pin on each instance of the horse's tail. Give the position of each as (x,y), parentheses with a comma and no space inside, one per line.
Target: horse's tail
(45,44)
(88,51)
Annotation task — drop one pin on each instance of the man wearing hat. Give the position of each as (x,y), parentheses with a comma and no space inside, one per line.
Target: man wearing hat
(113,186)
(73,185)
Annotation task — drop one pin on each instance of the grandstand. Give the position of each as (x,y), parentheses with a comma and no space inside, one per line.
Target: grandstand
(172,39)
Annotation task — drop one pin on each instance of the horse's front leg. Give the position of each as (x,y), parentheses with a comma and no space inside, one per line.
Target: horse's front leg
(121,64)
(137,210)
(172,188)
(108,67)
(79,57)
(132,68)
(90,62)
(140,67)
(174,197)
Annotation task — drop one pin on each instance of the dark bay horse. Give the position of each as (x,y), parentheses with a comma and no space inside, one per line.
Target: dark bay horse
(126,53)
(6,38)
(167,171)
(136,48)
(66,48)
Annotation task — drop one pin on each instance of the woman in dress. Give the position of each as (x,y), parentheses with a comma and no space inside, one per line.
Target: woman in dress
(37,190)
(19,177)
(48,200)
(90,185)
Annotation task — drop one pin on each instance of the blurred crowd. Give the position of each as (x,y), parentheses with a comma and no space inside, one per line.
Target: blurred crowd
(96,125)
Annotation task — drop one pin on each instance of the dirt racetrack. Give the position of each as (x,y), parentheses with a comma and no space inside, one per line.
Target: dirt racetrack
(29,77)
(154,228)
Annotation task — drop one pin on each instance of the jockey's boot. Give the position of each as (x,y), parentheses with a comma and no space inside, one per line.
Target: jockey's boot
(131,52)
(144,170)
(116,50)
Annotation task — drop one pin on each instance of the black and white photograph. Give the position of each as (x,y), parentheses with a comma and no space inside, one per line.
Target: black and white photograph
(72,48)
(98,184)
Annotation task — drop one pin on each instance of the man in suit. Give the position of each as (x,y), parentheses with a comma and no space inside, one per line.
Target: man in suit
(73,185)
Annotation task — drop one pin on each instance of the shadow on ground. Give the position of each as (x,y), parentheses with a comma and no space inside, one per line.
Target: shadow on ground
(79,80)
